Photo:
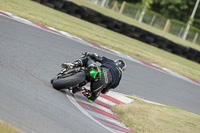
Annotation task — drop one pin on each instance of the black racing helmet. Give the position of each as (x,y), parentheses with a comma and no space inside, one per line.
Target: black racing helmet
(121,64)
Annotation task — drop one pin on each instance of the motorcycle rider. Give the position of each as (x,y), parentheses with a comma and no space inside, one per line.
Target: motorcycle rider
(108,77)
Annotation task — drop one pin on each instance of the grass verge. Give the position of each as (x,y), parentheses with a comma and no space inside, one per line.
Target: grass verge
(6,128)
(143,117)
(61,21)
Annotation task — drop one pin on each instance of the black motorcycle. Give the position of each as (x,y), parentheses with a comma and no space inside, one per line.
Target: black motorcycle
(77,77)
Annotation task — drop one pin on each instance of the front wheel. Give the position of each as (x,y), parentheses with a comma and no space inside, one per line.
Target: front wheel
(61,83)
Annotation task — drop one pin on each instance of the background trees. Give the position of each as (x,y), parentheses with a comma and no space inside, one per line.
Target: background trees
(172,9)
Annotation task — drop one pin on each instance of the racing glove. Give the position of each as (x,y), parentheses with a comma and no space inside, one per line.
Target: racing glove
(93,56)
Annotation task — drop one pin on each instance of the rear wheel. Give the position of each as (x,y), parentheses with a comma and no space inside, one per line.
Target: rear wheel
(61,83)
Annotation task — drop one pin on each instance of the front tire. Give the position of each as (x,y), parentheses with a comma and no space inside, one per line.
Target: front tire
(61,83)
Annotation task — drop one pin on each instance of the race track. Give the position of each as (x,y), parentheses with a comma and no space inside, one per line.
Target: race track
(30,57)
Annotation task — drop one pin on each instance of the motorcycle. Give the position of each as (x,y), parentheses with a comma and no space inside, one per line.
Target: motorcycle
(69,79)
(73,78)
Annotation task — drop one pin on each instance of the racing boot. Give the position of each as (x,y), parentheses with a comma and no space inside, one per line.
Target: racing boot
(86,93)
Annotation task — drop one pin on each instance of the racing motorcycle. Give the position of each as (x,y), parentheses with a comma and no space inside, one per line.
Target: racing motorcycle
(72,78)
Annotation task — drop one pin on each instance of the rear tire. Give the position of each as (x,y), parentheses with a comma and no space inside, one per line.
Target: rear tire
(61,83)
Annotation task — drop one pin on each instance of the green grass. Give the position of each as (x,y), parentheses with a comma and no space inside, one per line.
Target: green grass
(143,117)
(75,26)
(6,128)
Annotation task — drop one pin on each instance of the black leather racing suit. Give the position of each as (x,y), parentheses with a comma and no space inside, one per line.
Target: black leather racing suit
(110,76)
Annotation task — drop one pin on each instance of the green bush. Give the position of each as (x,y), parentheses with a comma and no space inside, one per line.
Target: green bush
(196,23)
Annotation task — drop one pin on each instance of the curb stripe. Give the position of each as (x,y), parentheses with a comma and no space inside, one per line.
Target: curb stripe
(110,103)
(92,104)
(151,65)
(95,109)
(44,27)
(83,99)
(71,98)
(111,99)
(5,14)
(198,82)
(102,104)
(119,96)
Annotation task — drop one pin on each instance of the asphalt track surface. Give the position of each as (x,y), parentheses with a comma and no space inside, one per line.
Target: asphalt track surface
(30,57)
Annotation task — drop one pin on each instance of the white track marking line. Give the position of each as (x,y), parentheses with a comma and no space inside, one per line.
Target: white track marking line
(103,117)
(86,113)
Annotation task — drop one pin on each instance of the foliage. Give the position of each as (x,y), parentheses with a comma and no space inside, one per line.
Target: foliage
(147,3)
(132,1)
(172,9)
(196,23)
(178,9)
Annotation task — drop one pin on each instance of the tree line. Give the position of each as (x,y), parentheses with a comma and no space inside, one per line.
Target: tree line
(172,9)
